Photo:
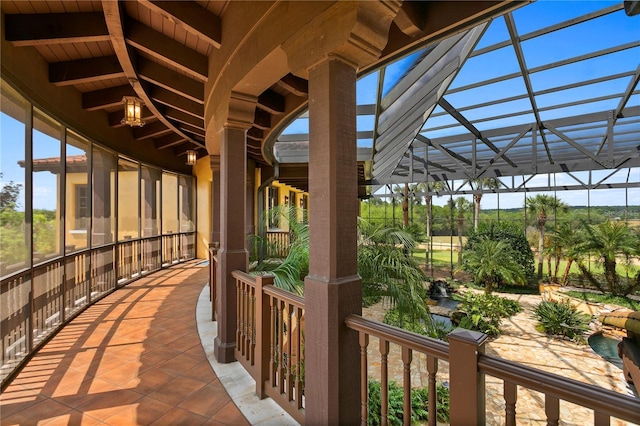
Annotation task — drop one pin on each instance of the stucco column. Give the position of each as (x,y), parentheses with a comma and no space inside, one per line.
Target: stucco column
(333,288)
(233,254)
(215,198)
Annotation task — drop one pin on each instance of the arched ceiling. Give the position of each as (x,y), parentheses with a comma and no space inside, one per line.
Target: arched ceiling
(164,47)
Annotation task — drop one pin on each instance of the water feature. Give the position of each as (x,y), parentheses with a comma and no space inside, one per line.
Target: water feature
(606,347)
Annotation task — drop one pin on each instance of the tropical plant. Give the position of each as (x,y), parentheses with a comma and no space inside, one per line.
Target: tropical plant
(419,404)
(565,242)
(540,206)
(289,272)
(427,327)
(478,185)
(492,262)
(562,319)
(459,208)
(483,312)
(386,270)
(512,235)
(611,242)
(429,188)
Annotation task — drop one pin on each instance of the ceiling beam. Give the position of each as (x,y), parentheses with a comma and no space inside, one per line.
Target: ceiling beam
(113,14)
(178,102)
(271,102)
(170,80)
(106,98)
(55,28)
(411,18)
(167,141)
(88,70)
(194,18)
(152,130)
(191,129)
(184,118)
(166,49)
(255,134)
(296,85)
(470,127)
(262,119)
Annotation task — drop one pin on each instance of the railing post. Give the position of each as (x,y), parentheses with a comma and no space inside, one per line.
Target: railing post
(467,388)
(263,334)
(213,251)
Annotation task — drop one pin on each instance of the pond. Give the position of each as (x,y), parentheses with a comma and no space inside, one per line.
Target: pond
(606,347)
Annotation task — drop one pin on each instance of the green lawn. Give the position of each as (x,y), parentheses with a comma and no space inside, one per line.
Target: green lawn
(605,298)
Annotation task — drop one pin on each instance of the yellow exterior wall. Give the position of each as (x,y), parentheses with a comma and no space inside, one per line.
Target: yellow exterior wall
(283,199)
(74,235)
(202,171)
(128,215)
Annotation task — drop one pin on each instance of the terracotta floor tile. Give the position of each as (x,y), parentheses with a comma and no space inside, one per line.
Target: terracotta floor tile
(73,417)
(181,364)
(207,401)
(144,412)
(104,405)
(132,358)
(177,390)
(230,415)
(180,417)
(39,412)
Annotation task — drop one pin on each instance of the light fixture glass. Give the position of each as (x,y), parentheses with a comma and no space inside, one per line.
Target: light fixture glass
(191,157)
(132,111)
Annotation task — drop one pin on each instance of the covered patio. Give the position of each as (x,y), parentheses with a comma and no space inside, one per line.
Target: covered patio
(218,84)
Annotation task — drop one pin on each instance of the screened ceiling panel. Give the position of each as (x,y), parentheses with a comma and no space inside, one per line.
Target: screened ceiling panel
(550,87)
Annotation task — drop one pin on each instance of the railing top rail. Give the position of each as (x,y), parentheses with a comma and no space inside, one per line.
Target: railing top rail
(399,336)
(285,296)
(587,395)
(243,276)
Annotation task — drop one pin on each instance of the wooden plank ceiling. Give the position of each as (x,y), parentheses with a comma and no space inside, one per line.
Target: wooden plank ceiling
(99,47)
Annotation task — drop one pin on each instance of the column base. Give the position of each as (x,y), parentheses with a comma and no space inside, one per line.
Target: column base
(224,351)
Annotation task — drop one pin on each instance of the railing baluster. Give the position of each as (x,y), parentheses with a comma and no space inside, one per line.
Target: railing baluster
(281,347)
(299,356)
(432,370)
(384,382)
(289,352)
(552,410)
(364,379)
(252,325)
(239,318)
(510,398)
(407,357)
(273,341)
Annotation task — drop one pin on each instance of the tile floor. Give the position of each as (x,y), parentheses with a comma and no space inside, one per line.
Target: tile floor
(136,357)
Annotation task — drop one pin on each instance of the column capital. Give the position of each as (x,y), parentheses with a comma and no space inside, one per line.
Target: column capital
(242,110)
(214,161)
(355,32)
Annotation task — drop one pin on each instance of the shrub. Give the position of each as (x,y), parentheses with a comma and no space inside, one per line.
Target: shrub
(419,404)
(513,236)
(484,312)
(562,319)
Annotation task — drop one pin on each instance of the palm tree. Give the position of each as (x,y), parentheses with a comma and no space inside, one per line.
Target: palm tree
(611,241)
(566,240)
(492,262)
(479,185)
(539,206)
(460,206)
(429,188)
(386,270)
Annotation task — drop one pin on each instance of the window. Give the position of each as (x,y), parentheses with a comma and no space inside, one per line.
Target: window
(82,207)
